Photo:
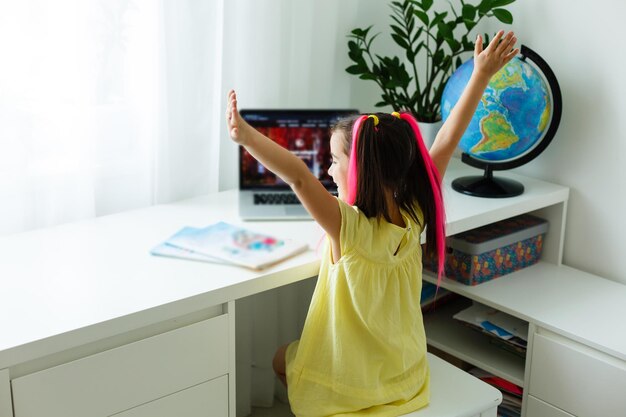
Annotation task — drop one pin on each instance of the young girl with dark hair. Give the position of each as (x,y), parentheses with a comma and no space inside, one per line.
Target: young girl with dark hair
(363,347)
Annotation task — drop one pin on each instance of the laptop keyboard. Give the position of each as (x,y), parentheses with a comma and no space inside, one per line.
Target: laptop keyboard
(270,198)
(282,198)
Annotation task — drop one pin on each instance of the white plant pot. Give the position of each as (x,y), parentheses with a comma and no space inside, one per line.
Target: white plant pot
(429,132)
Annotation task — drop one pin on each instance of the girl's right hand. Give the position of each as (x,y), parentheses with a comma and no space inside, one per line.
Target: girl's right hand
(496,55)
(238,129)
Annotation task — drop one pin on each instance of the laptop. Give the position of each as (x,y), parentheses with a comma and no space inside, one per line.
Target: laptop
(306,133)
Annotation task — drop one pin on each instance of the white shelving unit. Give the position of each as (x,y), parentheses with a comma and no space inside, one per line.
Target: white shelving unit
(569,311)
(513,293)
(452,337)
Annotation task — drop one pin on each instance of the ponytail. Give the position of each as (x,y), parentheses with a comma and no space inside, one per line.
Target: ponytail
(435,181)
(427,191)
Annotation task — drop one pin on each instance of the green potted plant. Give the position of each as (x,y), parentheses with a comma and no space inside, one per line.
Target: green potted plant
(436,40)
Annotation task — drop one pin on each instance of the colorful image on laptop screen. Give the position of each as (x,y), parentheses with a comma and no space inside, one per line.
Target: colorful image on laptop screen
(306,133)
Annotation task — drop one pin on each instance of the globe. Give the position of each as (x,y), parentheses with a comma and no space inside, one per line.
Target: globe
(515,121)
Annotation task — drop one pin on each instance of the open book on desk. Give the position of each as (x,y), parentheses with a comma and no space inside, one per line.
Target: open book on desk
(228,244)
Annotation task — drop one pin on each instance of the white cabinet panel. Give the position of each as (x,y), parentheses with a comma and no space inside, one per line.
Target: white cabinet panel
(209,399)
(538,408)
(576,378)
(127,376)
(6,406)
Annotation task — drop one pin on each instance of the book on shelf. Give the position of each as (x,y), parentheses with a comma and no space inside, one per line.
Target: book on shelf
(507,332)
(228,244)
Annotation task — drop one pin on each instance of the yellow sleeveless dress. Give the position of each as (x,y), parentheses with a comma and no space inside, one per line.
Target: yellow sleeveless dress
(363,349)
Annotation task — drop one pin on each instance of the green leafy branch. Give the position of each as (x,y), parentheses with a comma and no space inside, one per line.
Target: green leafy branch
(418,29)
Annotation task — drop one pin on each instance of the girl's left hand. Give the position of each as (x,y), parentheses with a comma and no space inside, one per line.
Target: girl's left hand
(497,54)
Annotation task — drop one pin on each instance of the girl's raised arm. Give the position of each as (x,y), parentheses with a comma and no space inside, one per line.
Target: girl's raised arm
(322,206)
(486,63)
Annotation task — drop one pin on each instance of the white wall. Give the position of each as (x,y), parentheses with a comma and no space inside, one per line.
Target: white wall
(300,53)
(583,43)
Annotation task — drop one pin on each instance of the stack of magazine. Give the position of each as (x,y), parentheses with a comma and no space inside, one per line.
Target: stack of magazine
(506,331)
(228,244)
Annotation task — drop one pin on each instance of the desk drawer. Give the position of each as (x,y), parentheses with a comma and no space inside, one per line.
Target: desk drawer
(127,376)
(209,399)
(577,378)
(537,408)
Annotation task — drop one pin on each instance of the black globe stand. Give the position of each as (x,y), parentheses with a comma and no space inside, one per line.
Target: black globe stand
(487,185)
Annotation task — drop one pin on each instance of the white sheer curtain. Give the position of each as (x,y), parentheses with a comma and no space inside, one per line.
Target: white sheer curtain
(105,106)
(111,105)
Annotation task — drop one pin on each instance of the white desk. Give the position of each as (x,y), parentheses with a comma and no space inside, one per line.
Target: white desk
(77,290)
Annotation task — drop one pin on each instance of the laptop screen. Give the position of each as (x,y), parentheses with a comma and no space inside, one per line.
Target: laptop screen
(306,133)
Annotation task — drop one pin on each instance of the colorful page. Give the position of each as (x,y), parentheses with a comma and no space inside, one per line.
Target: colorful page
(236,245)
(163,249)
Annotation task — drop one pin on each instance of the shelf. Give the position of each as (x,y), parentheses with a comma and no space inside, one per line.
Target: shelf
(460,341)
(526,294)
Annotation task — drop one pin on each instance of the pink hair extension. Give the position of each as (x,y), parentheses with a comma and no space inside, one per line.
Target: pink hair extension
(352,168)
(435,181)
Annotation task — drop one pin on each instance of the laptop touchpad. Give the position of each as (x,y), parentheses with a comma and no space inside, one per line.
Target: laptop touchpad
(295,210)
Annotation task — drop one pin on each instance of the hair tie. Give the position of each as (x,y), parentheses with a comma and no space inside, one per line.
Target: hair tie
(373,116)
(396,114)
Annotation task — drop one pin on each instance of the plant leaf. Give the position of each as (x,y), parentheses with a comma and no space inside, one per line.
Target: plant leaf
(422,16)
(369,43)
(399,31)
(368,76)
(400,41)
(426,4)
(357,32)
(438,57)
(500,3)
(417,35)
(485,6)
(356,57)
(409,12)
(445,30)
(352,45)
(468,12)
(503,15)
(411,25)
(354,69)
(438,18)
(453,44)
(397,20)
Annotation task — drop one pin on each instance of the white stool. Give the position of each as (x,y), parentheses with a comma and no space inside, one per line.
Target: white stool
(455,393)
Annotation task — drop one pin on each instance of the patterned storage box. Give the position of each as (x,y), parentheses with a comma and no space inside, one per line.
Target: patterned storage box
(493,250)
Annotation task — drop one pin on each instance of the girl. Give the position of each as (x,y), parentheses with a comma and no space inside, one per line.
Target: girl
(363,348)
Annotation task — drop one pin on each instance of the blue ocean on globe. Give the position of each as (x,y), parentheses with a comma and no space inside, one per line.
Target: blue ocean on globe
(512,116)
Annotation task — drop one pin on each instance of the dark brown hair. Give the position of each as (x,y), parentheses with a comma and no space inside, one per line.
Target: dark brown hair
(388,158)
